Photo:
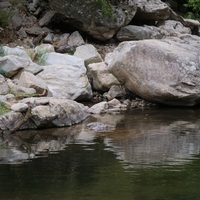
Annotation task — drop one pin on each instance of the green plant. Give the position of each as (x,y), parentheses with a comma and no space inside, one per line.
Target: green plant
(3,108)
(105,6)
(3,72)
(16,2)
(2,53)
(194,5)
(39,59)
(4,18)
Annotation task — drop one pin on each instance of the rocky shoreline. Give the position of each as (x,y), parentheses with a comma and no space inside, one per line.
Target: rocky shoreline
(47,74)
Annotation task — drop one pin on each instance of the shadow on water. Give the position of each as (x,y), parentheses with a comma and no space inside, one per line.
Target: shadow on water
(151,154)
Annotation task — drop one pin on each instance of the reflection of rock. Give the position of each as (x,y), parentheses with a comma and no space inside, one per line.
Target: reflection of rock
(97,126)
(140,137)
(24,145)
(154,137)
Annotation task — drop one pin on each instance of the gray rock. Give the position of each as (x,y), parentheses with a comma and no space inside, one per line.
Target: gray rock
(98,108)
(116,91)
(21,33)
(101,78)
(3,86)
(62,59)
(29,80)
(89,17)
(132,32)
(151,10)
(48,38)
(19,107)
(75,39)
(35,30)
(5,4)
(67,81)
(88,53)
(16,20)
(173,28)
(34,68)
(57,113)
(17,51)
(12,64)
(46,19)
(163,71)
(100,127)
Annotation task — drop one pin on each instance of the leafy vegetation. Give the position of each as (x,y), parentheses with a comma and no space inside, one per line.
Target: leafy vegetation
(2,53)
(3,108)
(105,6)
(16,2)
(4,18)
(194,5)
(3,72)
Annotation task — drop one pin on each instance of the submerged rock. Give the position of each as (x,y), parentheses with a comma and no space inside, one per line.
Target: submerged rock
(100,127)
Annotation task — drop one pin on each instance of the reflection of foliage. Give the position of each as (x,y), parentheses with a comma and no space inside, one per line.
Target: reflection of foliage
(105,6)
(194,5)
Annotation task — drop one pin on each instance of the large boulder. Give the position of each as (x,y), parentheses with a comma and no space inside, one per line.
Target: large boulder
(101,21)
(164,71)
(151,10)
(17,51)
(132,32)
(45,112)
(12,64)
(67,81)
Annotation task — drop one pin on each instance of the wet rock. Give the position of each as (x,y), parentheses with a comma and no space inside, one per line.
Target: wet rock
(100,127)
(56,113)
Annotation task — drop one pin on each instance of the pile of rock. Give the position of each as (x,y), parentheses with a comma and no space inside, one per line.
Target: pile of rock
(158,62)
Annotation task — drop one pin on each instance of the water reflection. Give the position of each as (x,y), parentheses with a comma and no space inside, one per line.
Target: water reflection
(141,137)
(171,136)
(151,154)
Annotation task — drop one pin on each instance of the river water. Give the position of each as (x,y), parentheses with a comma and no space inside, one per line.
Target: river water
(150,155)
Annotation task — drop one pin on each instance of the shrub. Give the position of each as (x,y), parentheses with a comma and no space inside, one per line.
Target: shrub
(105,6)
(16,2)
(2,53)
(3,72)
(3,108)
(194,5)
(4,18)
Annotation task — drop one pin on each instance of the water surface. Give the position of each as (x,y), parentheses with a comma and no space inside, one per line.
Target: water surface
(151,154)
